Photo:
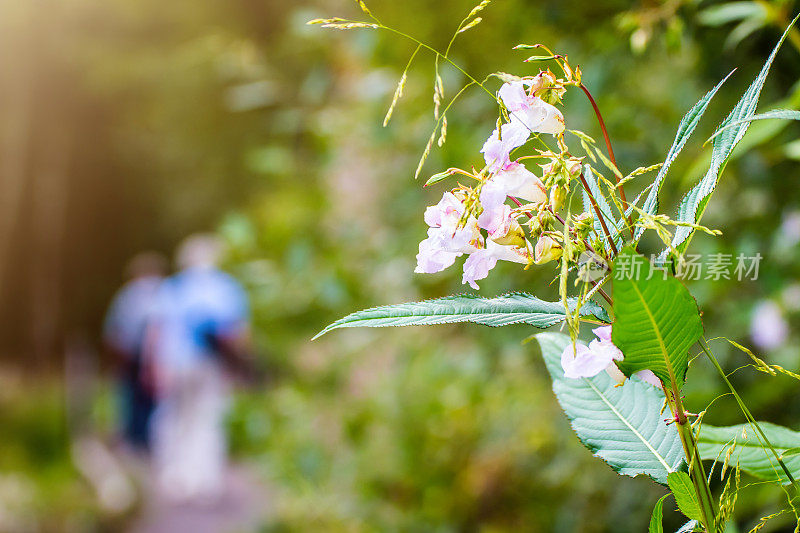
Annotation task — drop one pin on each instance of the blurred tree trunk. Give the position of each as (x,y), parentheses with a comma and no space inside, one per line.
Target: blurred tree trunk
(14,162)
(48,222)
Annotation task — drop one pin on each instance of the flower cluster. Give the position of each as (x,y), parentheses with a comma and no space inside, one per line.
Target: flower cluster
(478,221)
(581,361)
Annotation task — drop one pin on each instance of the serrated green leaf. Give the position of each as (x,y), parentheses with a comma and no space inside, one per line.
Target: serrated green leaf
(613,225)
(694,203)
(783,114)
(657,518)
(685,129)
(657,319)
(513,308)
(715,442)
(689,526)
(620,424)
(682,488)
(758,133)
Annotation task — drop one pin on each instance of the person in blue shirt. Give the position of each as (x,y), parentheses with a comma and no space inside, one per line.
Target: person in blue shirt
(124,330)
(201,333)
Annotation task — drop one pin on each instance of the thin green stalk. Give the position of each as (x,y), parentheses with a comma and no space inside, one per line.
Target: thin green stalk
(748,415)
(446,58)
(439,54)
(708,507)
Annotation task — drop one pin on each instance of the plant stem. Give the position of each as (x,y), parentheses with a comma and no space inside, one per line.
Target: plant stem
(588,246)
(563,223)
(599,214)
(708,508)
(441,55)
(602,124)
(747,414)
(603,293)
(608,147)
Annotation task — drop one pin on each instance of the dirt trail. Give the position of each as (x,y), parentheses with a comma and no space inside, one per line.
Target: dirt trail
(241,509)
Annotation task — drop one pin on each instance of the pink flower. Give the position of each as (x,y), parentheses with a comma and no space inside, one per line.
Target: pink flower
(446,240)
(514,180)
(598,356)
(480,262)
(603,333)
(579,361)
(648,377)
(513,95)
(496,219)
(535,114)
(432,258)
(528,114)
(497,148)
(606,350)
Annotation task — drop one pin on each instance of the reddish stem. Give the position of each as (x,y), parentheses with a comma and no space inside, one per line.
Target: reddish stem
(589,246)
(599,215)
(610,150)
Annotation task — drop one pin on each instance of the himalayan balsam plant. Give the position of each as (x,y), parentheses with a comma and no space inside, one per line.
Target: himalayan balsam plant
(622,391)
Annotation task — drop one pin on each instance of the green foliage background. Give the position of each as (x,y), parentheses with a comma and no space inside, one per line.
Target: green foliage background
(235,116)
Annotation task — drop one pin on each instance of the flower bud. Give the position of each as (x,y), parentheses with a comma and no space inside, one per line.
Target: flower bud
(534,228)
(572,166)
(576,248)
(583,224)
(560,170)
(557,196)
(545,219)
(547,87)
(514,237)
(547,249)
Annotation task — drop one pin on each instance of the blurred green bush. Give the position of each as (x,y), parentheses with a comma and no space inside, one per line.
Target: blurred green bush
(239,112)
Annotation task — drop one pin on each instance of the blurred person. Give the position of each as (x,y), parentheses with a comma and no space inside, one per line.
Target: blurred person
(131,310)
(201,335)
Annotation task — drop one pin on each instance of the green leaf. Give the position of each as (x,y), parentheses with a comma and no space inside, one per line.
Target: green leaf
(743,30)
(790,452)
(620,424)
(513,308)
(656,520)
(759,133)
(436,178)
(784,114)
(657,319)
(694,203)
(685,129)
(682,488)
(613,225)
(715,442)
(722,14)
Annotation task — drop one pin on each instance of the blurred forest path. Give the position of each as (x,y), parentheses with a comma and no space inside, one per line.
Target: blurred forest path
(243,507)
